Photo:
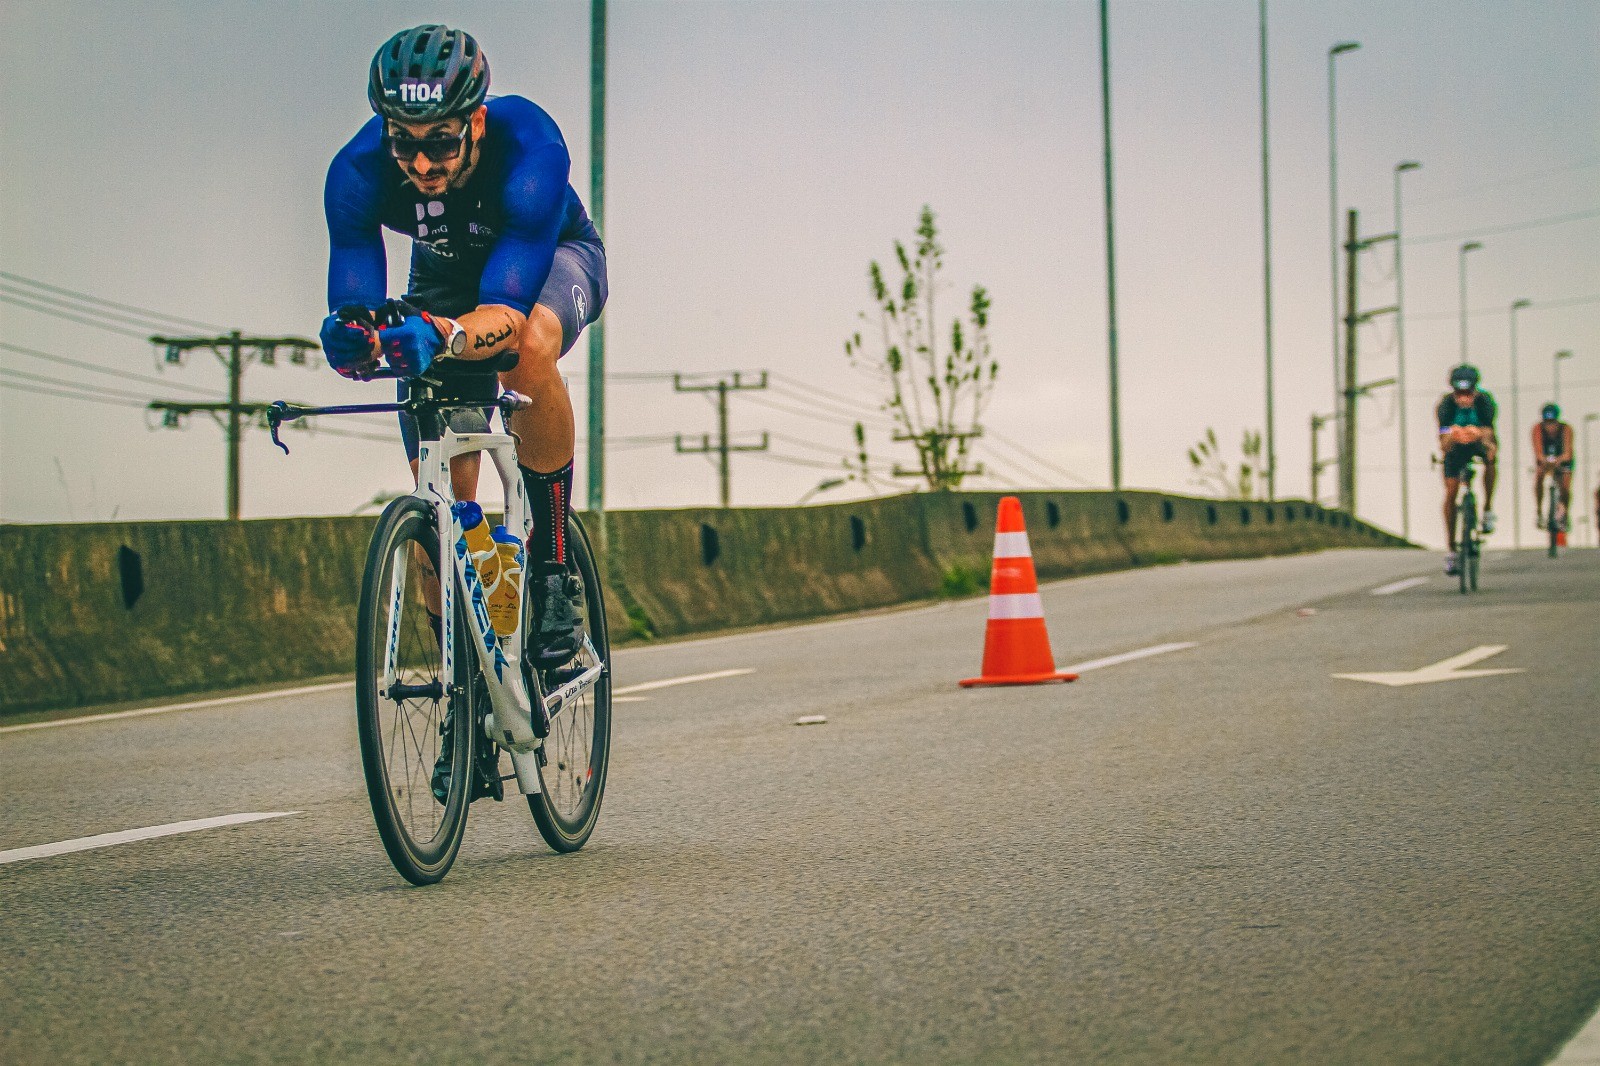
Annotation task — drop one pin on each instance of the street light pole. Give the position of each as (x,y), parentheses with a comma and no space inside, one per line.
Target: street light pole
(596,460)
(1400,339)
(1266,261)
(1556,375)
(1111,254)
(1516,431)
(1337,50)
(1470,246)
(1583,480)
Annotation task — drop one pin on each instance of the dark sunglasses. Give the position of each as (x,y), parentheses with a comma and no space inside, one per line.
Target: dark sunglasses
(437,149)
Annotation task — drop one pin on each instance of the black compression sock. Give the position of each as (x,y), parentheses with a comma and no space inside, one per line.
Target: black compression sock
(550,500)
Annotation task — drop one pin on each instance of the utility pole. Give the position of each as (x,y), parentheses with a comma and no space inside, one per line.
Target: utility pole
(932,443)
(722,386)
(1319,465)
(235,351)
(1353,390)
(596,464)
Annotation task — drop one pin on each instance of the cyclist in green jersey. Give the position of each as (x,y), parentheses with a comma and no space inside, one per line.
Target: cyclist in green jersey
(1552,449)
(1466,430)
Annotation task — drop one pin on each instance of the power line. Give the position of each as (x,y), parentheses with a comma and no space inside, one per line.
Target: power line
(1043,462)
(1538,305)
(1512,228)
(146,312)
(96,389)
(1583,165)
(845,401)
(832,420)
(100,369)
(12,294)
(110,401)
(97,323)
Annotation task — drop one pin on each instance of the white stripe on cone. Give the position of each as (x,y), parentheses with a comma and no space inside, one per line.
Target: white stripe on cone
(1016,605)
(1012,546)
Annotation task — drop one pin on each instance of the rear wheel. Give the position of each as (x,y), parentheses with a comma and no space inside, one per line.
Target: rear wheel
(406,713)
(575,755)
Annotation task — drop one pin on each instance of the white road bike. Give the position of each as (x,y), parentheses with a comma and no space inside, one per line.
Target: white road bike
(446,684)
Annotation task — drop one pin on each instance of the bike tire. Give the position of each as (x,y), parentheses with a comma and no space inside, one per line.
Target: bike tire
(1551,524)
(401,738)
(577,751)
(1467,568)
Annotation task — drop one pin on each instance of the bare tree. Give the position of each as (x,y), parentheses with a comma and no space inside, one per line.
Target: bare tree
(935,397)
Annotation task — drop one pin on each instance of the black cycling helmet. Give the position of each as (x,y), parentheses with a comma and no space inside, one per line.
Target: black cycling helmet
(427,74)
(1550,413)
(1464,376)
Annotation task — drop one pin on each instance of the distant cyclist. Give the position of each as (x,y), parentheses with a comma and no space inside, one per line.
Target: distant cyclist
(1552,444)
(1466,430)
(506,270)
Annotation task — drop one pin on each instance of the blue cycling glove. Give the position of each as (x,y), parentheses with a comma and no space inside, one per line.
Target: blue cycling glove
(413,344)
(347,342)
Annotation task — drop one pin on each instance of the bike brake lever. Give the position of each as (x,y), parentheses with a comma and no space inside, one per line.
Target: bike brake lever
(513,401)
(275,416)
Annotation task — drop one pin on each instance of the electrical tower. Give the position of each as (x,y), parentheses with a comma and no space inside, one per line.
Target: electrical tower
(722,386)
(1353,390)
(235,351)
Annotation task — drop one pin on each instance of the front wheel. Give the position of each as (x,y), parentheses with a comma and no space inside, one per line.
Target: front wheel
(1551,523)
(1468,567)
(572,772)
(412,720)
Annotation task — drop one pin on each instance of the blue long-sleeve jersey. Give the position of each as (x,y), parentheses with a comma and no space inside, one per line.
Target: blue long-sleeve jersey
(501,228)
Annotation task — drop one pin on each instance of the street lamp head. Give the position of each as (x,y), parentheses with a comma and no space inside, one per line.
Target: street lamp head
(1517,305)
(1470,246)
(1344,46)
(1401,168)
(1592,416)
(1564,354)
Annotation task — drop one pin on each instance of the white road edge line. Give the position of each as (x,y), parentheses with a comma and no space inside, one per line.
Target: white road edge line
(1583,1049)
(128,836)
(194,706)
(651,686)
(1128,657)
(1399,586)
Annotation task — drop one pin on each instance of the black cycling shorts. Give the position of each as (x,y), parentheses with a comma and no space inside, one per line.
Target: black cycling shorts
(1457,458)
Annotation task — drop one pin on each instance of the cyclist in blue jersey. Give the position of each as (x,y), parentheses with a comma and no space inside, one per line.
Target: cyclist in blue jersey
(1552,449)
(1466,430)
(506,271)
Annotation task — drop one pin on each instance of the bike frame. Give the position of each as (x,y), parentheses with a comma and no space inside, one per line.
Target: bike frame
(511,720)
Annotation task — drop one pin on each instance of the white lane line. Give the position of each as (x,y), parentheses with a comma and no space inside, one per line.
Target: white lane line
(128,836)
(194,706)
(1127,657)
(651,686)
(1399,586)
(1583,1049)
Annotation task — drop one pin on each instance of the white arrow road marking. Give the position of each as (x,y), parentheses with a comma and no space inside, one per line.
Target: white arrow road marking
(651,686)
(1583,1049)
(1399,586)
(1451,669)
(128,836)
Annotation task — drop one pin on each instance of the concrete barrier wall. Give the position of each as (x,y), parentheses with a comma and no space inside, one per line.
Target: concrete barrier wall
(106,612)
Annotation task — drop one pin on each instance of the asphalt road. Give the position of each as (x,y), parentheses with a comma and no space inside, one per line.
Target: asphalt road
(1217,854)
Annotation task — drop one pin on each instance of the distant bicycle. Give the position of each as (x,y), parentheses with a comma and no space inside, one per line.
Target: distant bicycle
(1552,509)
(1468,539)
(438,698)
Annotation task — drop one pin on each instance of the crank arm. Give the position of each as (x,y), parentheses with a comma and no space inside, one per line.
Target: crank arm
(565,694)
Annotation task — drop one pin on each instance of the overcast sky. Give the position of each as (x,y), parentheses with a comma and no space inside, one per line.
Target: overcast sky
(170,156)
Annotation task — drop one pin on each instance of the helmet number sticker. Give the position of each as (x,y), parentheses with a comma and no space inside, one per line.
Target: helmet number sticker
(421,92)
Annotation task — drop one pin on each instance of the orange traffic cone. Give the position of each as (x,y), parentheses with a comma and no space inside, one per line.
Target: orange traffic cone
(1016,648)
